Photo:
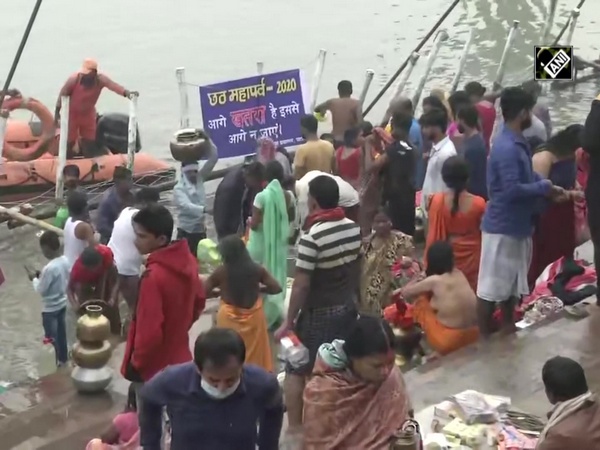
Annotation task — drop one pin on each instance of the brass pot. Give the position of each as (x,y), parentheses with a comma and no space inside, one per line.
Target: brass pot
(407,438)
(91,357)
(190,145)
(93,327)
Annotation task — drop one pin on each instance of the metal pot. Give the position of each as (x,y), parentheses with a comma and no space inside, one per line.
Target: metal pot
(93,327)
(92,357)
(91,380)
(407,438)
(190,145)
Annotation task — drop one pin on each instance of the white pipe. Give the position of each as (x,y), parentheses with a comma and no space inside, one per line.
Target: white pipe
(405,75)
(512,34)
(403,79)
(572,25)
(463,61)
(132,132)
(441,37)
(65,102)
(184,102)
(260,67)
(3,120)
(549,23)
(316,81)
(367,84)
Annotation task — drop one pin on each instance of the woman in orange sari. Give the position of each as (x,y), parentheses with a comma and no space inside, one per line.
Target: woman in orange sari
(455,216)
(239,282)
(356,398)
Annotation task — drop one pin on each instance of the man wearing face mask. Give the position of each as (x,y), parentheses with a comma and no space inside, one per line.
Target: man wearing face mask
(514,190)
(71,176)
(84,88)
(190,199)
(215,401)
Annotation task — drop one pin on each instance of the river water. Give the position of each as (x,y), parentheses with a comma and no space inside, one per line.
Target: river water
(139,43)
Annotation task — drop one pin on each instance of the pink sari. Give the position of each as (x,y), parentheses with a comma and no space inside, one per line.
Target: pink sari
(344,412)
(127,426)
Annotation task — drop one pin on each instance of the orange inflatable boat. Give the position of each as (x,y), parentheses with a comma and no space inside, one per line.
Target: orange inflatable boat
(30,149)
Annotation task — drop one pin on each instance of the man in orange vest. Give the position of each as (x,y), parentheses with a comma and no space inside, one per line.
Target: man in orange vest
(84,88)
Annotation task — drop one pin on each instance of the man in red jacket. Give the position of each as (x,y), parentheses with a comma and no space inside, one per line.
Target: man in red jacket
(170,299)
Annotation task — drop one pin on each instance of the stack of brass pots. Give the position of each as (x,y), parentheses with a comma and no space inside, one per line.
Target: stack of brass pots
(92,352)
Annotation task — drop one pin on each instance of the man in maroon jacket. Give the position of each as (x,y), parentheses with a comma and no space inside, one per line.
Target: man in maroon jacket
(171,298)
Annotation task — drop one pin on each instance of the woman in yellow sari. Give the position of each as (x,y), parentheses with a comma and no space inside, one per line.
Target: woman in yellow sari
(382,249)
(239,281)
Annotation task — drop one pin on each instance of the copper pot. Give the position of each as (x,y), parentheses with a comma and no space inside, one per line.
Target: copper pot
(93,327)
(190,145)
(92,357)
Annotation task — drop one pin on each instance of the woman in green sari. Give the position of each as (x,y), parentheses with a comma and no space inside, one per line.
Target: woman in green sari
(269,232)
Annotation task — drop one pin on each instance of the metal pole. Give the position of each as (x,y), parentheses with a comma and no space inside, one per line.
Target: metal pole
(316,81)
(8,80)
(549,23)
(566,25)
(15,62)
(437,45)
(367,84)
(574,17)
(405,76)
(512,34)
(463,61)
(184,102)
(416,50)
(3,120)
(132,132)
(65,103)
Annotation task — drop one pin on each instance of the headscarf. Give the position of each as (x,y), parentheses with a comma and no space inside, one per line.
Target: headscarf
(266,150)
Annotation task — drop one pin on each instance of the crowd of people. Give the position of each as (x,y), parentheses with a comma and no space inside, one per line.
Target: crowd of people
(492,204)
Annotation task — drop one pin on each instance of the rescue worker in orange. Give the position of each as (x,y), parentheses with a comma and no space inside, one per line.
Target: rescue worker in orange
(84,88)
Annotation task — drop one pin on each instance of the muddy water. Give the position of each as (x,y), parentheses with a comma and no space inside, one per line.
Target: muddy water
(141,43)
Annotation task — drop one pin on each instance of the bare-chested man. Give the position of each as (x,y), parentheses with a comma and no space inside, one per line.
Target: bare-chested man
(446,306)
(346,112)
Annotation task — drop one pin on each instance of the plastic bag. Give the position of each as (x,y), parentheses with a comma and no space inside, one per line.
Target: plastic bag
(208,256)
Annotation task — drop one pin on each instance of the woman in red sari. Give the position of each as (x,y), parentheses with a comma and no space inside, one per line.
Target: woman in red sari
(375,142)
(455,216)
(554,235)
(356,398)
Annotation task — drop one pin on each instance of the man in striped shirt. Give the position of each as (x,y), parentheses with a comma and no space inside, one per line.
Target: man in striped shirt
(326,283)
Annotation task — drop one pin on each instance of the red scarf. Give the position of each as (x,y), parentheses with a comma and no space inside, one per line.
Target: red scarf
(382,139)
(324,215)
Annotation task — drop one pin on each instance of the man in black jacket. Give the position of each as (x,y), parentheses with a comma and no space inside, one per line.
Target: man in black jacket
(234,197)
(591,145)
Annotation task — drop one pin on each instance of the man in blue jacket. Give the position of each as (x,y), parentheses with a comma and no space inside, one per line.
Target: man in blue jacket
(507,226)
(190,199)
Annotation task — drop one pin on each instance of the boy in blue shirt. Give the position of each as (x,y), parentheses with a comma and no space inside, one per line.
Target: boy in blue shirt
(51,284)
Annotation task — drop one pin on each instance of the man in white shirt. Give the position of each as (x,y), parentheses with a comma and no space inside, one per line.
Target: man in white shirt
(349,198)
(122,243)
(434,124)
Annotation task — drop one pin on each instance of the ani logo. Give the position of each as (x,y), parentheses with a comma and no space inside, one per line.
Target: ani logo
(553,63)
